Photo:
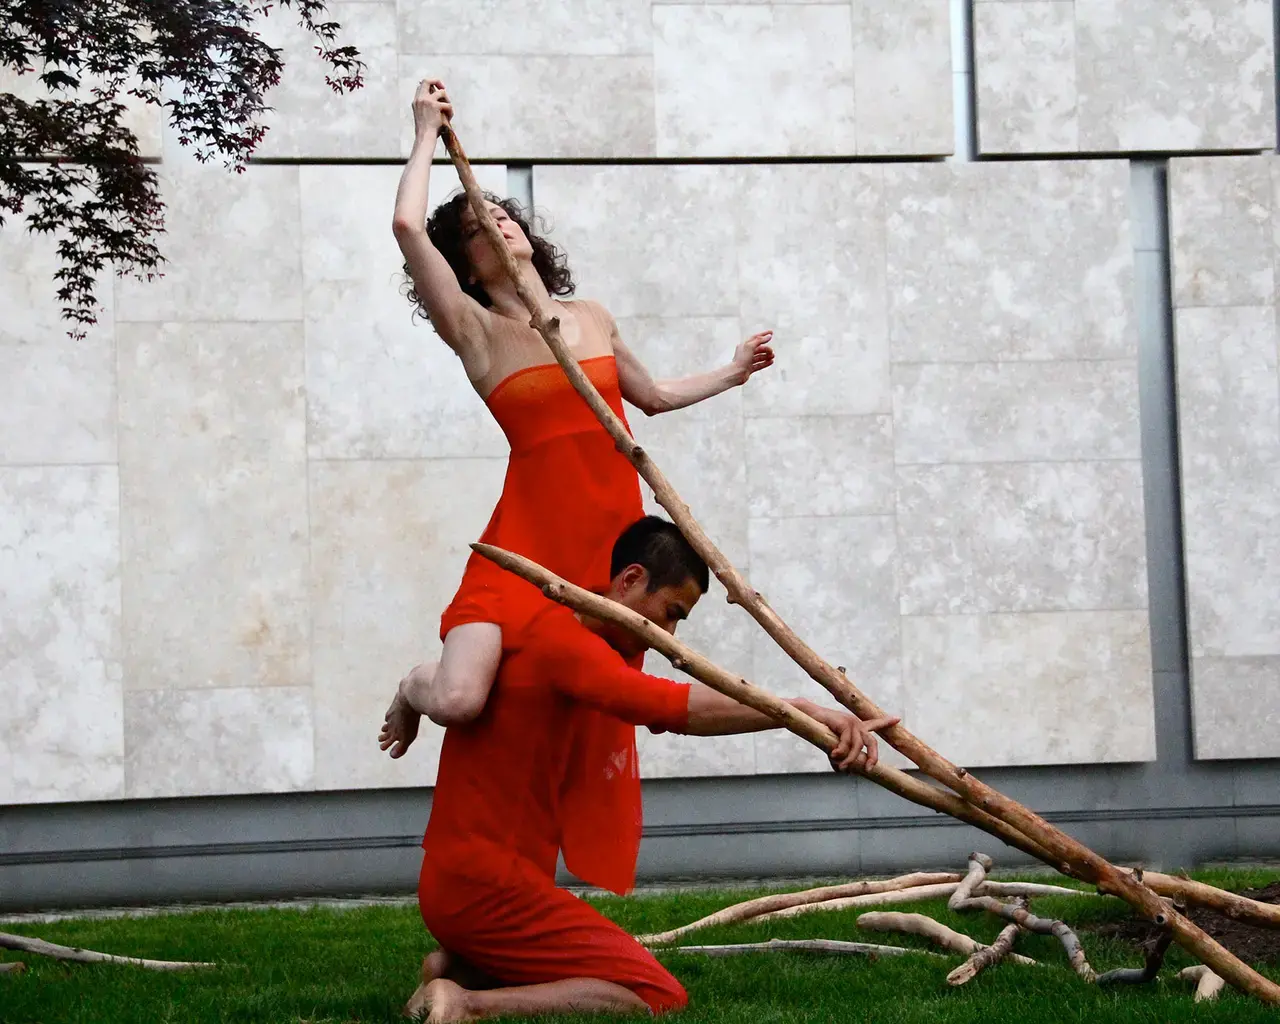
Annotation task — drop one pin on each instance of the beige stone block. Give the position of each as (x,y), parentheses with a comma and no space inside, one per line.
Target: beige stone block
(214,505)
(1009,261)
(380,382)
(1175,74)
(388,547)
(700,448)
(590,28)
(215,742)
(233,246)
(1229,437)
(834,581)
(61,734)
(540,108)
(813,271)
(820,466)
(309,119)
(1022,537)
(902,77)
(1236,707)
(1031,689)
(646,240)
(1221,231)
(1015,412)
(57,395)
(723,633)
(144,119)
(1025,63)
(754,80)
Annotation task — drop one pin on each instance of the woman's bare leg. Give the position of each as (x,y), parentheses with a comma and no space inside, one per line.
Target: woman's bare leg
(451,691)
(449,1001)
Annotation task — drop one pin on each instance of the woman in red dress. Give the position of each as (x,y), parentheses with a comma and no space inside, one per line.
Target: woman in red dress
(568,492)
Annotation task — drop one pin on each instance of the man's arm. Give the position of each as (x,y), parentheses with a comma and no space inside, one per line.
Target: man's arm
(713,714)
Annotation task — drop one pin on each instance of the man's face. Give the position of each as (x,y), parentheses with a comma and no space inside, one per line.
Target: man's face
(665,607)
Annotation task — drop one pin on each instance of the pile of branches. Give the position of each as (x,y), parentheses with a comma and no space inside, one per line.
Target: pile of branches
(972,892)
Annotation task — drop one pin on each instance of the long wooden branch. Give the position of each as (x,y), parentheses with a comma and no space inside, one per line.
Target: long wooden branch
(918,894)
(750,909)
(807,946)
(1019,915)
(1062,852)
(88,956)
(703,669)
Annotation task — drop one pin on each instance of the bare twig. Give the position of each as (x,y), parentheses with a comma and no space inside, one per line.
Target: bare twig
(1208,984)
(12,967)
(985,957)
(806,946)
(881,899)
(979,865)
(88,956)
(1055,847)
(928,928)
(1041,926)
(782,901)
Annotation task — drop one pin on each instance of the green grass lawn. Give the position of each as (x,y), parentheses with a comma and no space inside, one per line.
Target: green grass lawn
(360,965)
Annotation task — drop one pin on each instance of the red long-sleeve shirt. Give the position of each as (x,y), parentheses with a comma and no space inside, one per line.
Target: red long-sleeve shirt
(551,759)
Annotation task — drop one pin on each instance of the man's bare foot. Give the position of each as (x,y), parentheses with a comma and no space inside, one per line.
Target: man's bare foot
(400,724)
(448,1002)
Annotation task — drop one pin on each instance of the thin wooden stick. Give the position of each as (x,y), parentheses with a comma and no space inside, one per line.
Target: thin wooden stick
(985,957)
(1040,925)
(928,928)
(979,865)
(806,946)
(781,901)
(12,967)
(990,888)
(88,956)
(1061,851)
(1208,984)
(1147,972)
(879,899)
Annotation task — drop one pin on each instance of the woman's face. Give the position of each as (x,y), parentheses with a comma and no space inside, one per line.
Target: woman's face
(485,265)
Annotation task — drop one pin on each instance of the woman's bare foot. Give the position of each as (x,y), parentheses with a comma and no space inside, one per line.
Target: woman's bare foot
(448,1002)
(434,965)
(400,724)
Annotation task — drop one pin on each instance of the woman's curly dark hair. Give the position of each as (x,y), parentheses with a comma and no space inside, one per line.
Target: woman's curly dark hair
(444,228)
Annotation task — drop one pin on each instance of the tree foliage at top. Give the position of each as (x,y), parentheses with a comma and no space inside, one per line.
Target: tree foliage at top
(70,165)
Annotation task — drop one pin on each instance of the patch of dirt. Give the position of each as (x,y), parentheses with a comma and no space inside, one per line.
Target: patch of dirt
(1251,943)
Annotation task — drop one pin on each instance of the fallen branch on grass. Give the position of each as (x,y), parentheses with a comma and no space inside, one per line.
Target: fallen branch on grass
(1146,973)
(807,946)
(88,956)
(928,928)
(784,901)
(12,967)
(879,899)
(1198,894)
(1208,984)
(985,957)
(1039,925)
(979,865)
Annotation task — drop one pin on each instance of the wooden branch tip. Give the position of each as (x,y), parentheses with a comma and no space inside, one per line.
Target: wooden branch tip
(976,802)
(12,967)
(979,865)
(985,957)
(27,944)
(1208,984)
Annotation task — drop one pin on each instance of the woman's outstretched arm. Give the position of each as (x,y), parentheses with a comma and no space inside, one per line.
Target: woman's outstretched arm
(454,314)
(656,396)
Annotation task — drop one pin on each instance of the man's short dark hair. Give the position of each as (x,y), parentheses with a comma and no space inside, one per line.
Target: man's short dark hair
(661,549)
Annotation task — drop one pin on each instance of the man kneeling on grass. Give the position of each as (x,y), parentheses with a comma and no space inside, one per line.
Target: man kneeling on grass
(550,764)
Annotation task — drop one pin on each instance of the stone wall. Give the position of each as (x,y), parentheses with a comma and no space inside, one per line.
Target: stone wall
(231,516)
